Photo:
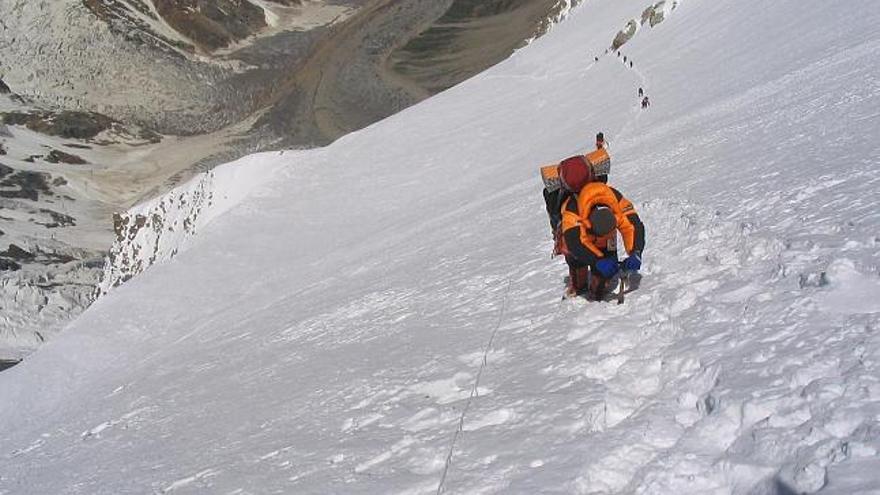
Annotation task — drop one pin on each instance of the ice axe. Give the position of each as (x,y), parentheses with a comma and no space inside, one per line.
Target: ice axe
(621,292)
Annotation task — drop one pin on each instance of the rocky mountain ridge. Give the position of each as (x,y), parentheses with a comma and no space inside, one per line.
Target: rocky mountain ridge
(185,25)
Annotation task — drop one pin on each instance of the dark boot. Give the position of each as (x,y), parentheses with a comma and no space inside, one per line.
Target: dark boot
(598,288)
(578,280)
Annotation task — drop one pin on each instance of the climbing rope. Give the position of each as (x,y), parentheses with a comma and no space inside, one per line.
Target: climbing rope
(474,390)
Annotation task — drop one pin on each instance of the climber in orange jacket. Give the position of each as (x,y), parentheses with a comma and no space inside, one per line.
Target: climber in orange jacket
(591,218)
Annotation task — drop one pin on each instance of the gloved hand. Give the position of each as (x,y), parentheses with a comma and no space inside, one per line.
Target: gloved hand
(633,263)
(606,267)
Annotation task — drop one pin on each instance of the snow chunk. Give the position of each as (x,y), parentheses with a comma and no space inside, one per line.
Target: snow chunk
(852,292)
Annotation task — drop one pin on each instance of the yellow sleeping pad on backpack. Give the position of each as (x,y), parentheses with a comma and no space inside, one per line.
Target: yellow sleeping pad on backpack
(550,176)
(599,161)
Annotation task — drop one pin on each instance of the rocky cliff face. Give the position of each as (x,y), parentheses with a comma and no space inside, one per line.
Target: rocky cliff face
(155,231)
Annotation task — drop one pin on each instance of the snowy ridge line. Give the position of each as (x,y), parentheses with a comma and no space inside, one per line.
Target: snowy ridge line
(475,390)
(159,229)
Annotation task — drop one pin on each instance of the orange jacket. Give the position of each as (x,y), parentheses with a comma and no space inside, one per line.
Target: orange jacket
(583,245)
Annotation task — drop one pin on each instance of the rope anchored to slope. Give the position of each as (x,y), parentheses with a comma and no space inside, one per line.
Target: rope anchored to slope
(474,391)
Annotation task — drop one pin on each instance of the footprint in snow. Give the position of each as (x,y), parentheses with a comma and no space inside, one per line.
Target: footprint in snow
(493,418)
(449,390)
(428,418)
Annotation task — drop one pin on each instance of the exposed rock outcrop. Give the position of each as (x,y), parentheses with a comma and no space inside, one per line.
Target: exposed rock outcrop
(656,13)
(57,156)
(70,125)
(212,24)
(205,25)
(625,34)
(23,184)
(9,265)
(653,15)
(17,253)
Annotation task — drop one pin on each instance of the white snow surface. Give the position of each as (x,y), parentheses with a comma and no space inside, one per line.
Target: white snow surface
(385,308)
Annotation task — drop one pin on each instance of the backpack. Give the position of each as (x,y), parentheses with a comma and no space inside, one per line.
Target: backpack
(600,162)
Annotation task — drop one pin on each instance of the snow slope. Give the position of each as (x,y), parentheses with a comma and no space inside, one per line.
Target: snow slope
(383,316)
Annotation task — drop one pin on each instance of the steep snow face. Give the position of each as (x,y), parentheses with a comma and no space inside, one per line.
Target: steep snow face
(382,316)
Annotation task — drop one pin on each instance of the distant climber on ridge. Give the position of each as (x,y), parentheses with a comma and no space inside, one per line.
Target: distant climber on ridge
(645,102)
(599,160)
(641,92)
